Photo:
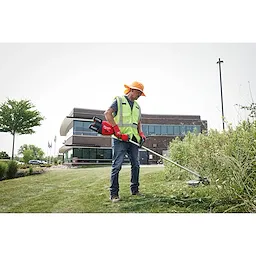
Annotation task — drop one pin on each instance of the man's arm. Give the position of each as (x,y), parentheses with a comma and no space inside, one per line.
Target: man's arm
(109,116)
(142,135)
(139,127)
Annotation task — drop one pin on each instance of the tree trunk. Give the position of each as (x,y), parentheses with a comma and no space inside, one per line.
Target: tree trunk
(13,140)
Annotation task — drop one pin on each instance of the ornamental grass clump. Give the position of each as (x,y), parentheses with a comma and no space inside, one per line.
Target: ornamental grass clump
(3,169)
(227,158)
(30,170)
(11,170)
(235,183)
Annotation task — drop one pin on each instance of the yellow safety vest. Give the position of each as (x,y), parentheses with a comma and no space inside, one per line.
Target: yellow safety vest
(126,118)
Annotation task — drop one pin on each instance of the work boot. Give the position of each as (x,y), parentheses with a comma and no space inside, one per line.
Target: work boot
(137,193)
(114,198)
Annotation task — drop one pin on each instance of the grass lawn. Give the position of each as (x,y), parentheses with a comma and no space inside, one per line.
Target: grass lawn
(87,191)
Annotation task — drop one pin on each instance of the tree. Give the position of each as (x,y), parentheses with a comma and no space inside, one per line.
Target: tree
(18,117)
(4,155)
(27,155)
(30,152)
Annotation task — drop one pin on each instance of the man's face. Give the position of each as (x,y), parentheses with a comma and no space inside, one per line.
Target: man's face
(136,93)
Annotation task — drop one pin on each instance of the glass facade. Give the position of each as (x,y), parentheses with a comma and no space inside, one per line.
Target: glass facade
(82,128)
(87,155)
(177,130)
(68,156)
(93,153)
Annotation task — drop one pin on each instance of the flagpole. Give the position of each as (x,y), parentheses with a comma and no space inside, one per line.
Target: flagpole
(51,152)
(48,152)
(55,139)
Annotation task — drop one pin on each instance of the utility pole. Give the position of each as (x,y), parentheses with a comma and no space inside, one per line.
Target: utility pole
(219,62)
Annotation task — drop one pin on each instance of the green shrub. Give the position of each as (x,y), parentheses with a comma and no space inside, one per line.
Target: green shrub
(227,158)
(4,160)
(12,169)
(30,170)
(3,169)
(235,182)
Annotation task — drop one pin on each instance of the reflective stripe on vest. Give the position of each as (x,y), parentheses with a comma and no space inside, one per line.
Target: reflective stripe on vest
(127,119)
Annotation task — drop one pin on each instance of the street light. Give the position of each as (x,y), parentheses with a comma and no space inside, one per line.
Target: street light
(219,62)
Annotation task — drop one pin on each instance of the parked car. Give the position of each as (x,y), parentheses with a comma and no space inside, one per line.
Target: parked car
(34,162)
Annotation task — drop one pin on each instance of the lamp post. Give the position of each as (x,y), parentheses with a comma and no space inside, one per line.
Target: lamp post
(219,62)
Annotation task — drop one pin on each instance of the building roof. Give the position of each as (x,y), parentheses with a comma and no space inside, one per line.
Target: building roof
(67,124)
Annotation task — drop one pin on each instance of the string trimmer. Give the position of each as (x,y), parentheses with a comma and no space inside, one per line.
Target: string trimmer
(204,180)
(105,128)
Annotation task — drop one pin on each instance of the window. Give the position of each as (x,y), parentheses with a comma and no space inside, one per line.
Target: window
(82,128)
(86,153)
(188,128)
(78,152)
(182,130)
(176,130)
(92,153)
(170,130)
(157,129)
(145,129)
(99,154)
(107,154)
(163,129)
(151,129)
(197,128)
(193,129)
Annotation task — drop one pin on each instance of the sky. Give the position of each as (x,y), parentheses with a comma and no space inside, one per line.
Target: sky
(179,79)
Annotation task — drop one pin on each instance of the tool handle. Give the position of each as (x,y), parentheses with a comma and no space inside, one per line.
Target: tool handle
(165,158)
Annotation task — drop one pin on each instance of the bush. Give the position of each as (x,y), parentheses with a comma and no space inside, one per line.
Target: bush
(12,169)
(4,160)
(30,171)
(227,158)
(3,169)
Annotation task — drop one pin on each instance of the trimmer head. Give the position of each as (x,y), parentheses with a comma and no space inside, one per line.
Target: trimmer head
(195,183)
(205,181)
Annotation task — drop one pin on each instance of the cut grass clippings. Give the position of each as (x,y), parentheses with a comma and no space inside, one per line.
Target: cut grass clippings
(87,191)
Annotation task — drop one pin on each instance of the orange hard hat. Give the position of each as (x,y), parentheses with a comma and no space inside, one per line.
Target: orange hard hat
(135,85)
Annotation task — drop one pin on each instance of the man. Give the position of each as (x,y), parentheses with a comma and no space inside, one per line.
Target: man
(125,117)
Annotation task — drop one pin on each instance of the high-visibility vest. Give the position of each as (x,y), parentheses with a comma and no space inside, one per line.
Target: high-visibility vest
(126,118)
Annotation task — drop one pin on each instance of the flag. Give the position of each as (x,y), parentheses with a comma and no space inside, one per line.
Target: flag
(49,145)
(55,138)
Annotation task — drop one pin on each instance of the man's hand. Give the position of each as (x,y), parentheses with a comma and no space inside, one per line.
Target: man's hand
(125,137)
(119,135)
(142,138)
(106,128)
(117,131)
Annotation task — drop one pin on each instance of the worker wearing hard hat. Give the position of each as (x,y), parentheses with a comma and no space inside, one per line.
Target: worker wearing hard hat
(125,117)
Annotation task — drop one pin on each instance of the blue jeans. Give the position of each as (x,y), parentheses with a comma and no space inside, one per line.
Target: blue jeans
(121,148)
